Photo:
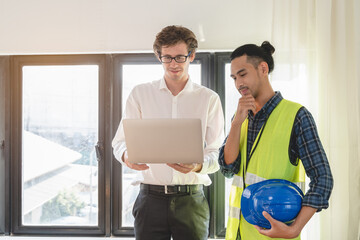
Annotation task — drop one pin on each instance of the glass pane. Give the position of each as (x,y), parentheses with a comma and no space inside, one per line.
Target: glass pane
(60,130)
(132,76)
(231,99)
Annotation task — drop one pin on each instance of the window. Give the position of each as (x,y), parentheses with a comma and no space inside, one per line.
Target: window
(56,116)
(231,97)
(131,70)
(64,111)
(219,193)
(59,132)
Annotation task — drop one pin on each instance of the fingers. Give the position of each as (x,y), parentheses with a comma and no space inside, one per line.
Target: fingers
(135,166)
(183,168)
(245,104)
(261,230)
(265,231)
(277,230)
(139,167)
(188,165)
(269,217)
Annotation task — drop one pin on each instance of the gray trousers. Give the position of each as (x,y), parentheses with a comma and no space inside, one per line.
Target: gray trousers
(180,216)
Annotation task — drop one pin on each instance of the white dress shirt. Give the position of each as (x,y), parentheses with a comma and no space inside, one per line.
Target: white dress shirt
(154,100)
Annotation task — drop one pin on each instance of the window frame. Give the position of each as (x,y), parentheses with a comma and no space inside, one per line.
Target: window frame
(116,170)
(118,61)
(4,143)
(110,110)
(17,63)
(217,193)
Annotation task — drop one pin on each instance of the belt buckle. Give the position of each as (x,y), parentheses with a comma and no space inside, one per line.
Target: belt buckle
(167,192)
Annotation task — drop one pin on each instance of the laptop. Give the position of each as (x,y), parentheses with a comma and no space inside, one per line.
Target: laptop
(164,140)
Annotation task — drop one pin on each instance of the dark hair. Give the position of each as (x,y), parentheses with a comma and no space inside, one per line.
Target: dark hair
(172,35)
(256,54)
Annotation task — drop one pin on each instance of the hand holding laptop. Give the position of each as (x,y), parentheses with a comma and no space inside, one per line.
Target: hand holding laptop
(135,166)
(183,168)
(186,168)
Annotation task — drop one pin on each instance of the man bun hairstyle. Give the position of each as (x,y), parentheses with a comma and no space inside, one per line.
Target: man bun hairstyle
(172,35)
(256,54)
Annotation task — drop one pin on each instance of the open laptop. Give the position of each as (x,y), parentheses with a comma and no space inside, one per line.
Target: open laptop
(164,140)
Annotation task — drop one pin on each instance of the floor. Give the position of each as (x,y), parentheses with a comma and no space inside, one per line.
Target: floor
(62,238)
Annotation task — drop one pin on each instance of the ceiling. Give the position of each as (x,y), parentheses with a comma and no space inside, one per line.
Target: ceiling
(86,26)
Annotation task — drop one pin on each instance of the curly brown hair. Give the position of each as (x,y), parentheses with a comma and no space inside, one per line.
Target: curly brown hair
(172,35)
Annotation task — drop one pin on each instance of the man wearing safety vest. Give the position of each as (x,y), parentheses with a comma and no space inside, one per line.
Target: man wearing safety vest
(270,138)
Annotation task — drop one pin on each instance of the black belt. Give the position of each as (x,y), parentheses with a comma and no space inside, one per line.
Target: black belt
(171,189)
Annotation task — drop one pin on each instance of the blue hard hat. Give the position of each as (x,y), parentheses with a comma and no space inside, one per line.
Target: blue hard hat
(280,198)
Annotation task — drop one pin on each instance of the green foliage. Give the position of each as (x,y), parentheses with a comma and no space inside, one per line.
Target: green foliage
(64,204)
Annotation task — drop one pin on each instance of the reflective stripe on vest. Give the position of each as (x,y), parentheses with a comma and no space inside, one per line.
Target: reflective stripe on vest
(237,181)
(269,161)
(234,212)
(252,178)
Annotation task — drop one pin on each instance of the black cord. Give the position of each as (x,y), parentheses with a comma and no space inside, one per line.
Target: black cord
(252,152)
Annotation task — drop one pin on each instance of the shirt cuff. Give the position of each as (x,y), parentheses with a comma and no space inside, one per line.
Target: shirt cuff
(210,164)
(315,200)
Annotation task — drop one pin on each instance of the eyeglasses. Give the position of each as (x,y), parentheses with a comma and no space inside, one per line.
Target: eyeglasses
(178,59)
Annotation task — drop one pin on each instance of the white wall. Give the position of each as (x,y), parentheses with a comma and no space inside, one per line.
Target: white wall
(83,26)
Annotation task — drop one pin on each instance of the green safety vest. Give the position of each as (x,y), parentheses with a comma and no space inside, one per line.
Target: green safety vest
(269,161)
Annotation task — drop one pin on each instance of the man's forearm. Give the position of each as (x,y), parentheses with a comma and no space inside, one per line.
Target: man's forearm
(231,150)
(303,217)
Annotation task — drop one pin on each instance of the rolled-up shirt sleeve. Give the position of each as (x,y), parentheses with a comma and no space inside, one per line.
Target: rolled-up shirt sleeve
(231,169)
(313,157)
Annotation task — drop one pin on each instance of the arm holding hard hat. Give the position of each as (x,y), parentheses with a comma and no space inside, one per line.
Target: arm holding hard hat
(317,168)
(281,230)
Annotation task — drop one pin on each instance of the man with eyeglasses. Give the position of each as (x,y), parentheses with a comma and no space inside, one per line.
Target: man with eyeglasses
(171,201)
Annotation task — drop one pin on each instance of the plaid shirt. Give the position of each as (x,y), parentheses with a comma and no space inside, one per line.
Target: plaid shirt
(304,144)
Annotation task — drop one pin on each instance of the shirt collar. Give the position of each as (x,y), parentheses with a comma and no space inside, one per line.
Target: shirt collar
(188,87)
(268,107)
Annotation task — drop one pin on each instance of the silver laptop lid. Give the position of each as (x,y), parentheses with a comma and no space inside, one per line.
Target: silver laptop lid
(164,140)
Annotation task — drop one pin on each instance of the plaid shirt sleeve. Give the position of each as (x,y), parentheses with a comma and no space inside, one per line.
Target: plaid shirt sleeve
(231,169)
(309,149)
